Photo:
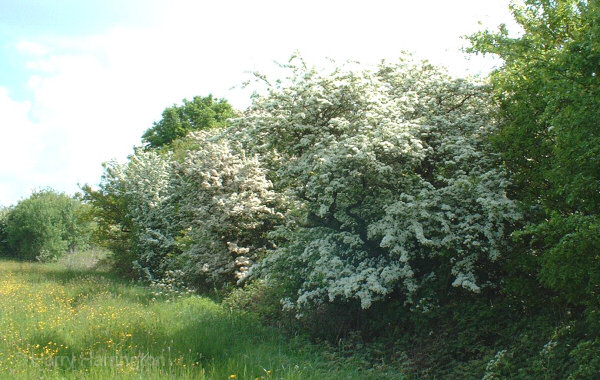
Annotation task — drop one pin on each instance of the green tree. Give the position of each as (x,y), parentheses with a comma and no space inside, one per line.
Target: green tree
(202,113)
(46,225)
(4,212)
(549,92)
(113,226)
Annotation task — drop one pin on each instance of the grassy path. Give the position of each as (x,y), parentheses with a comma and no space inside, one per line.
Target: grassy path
(64,324)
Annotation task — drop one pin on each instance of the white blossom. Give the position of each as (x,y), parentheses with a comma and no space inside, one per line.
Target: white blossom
(226,199)
(391,169)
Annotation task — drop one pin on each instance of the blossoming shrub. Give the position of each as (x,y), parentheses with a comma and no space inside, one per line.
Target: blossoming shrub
(136,212)
(226,207)
(385,177)
(203,212)
(396,187)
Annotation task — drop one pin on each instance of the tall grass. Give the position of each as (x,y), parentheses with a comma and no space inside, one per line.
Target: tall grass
(60,322)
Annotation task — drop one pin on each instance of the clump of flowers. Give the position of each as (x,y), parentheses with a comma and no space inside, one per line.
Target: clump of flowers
(172,284)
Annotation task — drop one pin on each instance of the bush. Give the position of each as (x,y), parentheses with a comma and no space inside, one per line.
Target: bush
(226,208)
(205,211)
(4,212)
(135,213)
(397,187)
(261,300)
(47,225)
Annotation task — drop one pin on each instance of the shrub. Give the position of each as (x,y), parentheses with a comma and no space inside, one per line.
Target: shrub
(4,212)
(206,213)
(135,213)
(46,225)
(396,185)
(226,207)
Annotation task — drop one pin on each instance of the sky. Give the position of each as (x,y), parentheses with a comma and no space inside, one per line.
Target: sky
(80,81)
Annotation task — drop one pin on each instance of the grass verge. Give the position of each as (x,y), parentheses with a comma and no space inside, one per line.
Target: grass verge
(60,322)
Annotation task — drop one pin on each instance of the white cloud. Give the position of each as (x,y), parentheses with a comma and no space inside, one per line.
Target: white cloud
(93,96)
(19,137)
(29,47)
(20,145)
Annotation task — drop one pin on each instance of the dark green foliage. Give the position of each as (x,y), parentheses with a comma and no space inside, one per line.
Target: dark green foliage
(46,225)
(262,300)
(571,260)
(202,113)
(113,226)
(486,338)
(3,233)
(549,92)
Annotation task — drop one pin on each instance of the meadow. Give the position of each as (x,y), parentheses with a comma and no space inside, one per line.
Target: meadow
(62,321)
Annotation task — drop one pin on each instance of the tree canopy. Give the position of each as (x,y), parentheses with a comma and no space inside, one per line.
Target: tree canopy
(549,92)
(201,113)
(397,190)
(45,226)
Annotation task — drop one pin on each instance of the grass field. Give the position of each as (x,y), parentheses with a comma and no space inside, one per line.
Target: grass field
(59,322)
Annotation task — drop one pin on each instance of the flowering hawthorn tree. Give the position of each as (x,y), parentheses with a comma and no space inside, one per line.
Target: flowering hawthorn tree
(385,177)
(205,216)
(143,188)
(395,187)
(227,206)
